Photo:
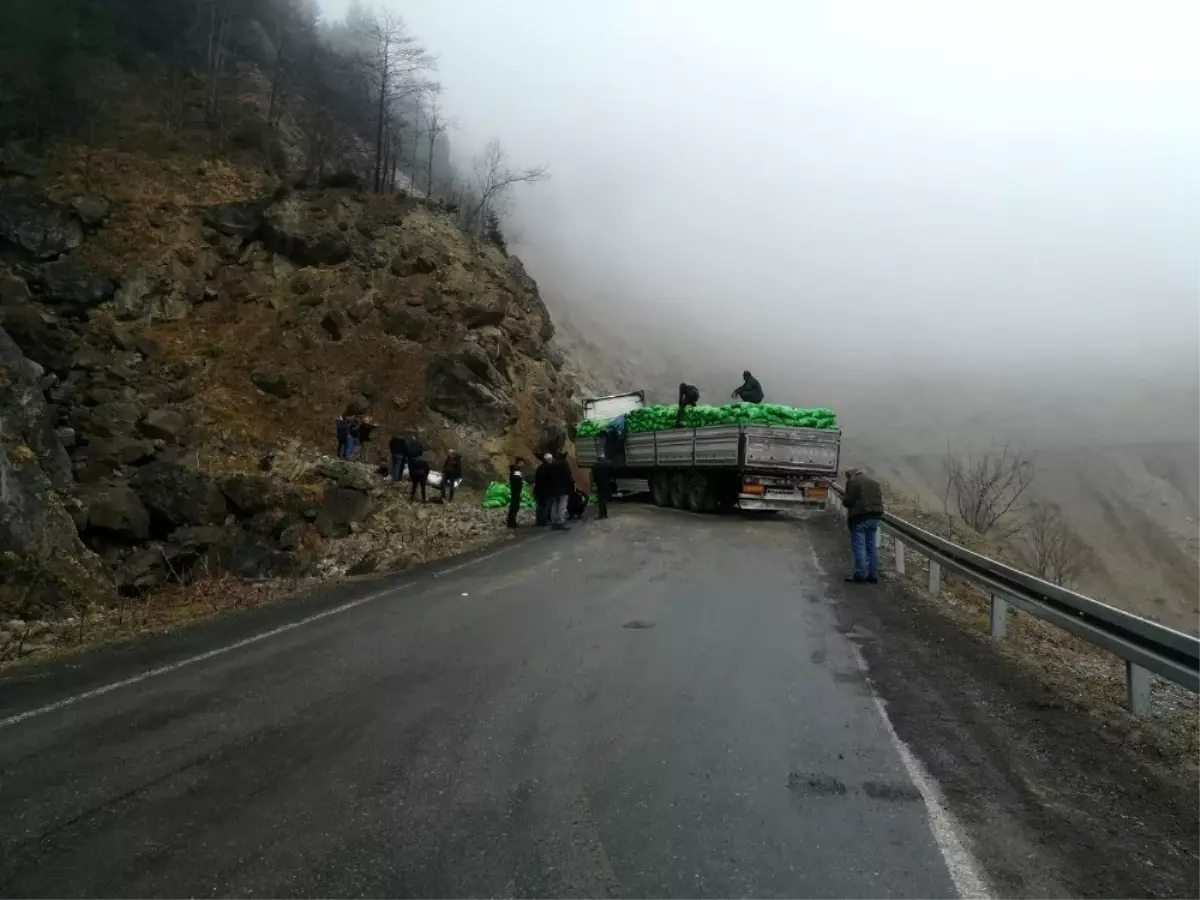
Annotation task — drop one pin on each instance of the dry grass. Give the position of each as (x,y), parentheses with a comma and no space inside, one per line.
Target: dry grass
(1079,674)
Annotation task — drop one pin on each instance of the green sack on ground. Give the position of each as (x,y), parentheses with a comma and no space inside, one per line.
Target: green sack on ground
(498,495)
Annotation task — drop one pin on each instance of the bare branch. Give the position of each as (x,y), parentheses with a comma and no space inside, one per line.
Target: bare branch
(985,488)
(1051,549)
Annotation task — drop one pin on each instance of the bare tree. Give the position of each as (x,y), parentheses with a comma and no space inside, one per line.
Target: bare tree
(392,63)
(984,488)
(1052,550)
(493,178)
(435,124)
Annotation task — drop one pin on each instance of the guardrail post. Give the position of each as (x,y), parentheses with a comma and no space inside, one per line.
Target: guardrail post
(935,578)
(898,552)
(1137,682)
(999,616)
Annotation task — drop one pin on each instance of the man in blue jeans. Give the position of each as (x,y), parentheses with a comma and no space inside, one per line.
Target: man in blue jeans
(864,509)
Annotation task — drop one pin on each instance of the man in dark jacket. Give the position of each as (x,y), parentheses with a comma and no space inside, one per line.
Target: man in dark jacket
(562,484)
(353,423)
(365,428)
(543,489)
(418,474)
(864,509)
(602,475)
(451,473)
(516,484)
(689,395)
(750,391)
(343,434)
(398,447)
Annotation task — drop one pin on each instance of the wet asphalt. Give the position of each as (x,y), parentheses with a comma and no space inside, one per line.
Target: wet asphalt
(657,705)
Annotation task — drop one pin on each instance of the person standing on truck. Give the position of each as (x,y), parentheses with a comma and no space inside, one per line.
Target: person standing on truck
(689,395)
(750,391)
(864,509)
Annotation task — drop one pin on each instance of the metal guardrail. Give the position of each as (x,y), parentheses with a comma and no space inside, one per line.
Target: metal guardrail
(1145,646)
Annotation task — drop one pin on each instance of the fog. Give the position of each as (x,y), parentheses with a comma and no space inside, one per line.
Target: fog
(935,217)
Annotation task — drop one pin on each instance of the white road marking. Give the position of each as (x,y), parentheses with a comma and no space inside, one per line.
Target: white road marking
(964,869)
(236,645)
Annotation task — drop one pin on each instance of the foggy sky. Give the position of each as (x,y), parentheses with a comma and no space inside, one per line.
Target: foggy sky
(1010,185)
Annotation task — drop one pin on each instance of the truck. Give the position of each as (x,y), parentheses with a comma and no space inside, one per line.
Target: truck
(715,467)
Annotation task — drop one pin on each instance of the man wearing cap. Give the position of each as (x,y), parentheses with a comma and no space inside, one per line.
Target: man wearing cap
(543,489)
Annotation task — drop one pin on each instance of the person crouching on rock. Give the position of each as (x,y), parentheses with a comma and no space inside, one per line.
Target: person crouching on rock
(451,473)
(516,485)
(418,473)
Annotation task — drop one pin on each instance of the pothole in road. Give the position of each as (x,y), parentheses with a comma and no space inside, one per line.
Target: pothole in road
(816,784)
(638,623)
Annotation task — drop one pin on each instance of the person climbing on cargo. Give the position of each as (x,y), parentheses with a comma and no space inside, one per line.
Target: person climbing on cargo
(543,490)
(516,485)
(864,509)
(689,395)
(751,390)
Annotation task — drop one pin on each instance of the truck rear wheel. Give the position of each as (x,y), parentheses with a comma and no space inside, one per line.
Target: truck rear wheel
(698,492)
(660,488)
(679,491)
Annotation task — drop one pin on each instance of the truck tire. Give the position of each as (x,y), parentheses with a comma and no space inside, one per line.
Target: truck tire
(698,492)
(660,488)
(679,491)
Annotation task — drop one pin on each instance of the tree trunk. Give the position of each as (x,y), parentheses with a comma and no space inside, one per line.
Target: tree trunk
(383,80)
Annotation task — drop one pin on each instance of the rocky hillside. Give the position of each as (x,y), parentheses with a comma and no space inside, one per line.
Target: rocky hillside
(161,353)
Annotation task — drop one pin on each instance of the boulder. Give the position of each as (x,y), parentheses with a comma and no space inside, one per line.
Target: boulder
(488,308)
(240,220)
(143,569)
(306,236)
(118,512)
(176,496)
(163,425)
(92,211)
(37,226)
(341,507)
(348,474)
(408,324)
(135,298)
(40,336)
(43,563)
(250,494)
(249,556)
(13,290)
(360,310)
(192,540)
(277,384)
(465,387)
(422,262)
(72,285)
(336,324)
(16,162)
(123,451)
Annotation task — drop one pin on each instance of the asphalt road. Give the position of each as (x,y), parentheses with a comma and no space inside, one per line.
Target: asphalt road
(658,705)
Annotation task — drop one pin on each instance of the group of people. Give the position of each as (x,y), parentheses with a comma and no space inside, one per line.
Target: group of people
(689,395)
(557,498)
(353,435)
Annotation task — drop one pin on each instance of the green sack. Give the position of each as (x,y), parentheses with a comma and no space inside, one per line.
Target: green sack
(498,494)
(659,418)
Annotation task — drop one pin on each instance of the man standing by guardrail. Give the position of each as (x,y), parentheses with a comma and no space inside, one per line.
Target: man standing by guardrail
(864,509)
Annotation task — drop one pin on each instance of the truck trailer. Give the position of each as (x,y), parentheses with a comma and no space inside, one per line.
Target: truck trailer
(753,467)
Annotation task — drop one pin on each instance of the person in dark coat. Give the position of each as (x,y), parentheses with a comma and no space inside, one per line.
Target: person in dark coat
(543,490)
(451,473)
(418,474)
(343,435)
(365,428)
(516,484)
(398,447)
(602,475)
(689,395)
(864,509)
(562,485)
(577,503)
(751,390)
(353,425)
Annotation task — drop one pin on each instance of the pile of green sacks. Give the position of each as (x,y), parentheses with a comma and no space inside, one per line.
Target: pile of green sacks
(498,495)
(658,418)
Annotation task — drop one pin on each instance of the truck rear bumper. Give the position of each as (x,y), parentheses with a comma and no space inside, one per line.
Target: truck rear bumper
(782,504)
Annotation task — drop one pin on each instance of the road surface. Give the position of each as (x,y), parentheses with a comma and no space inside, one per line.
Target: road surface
(658,705)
